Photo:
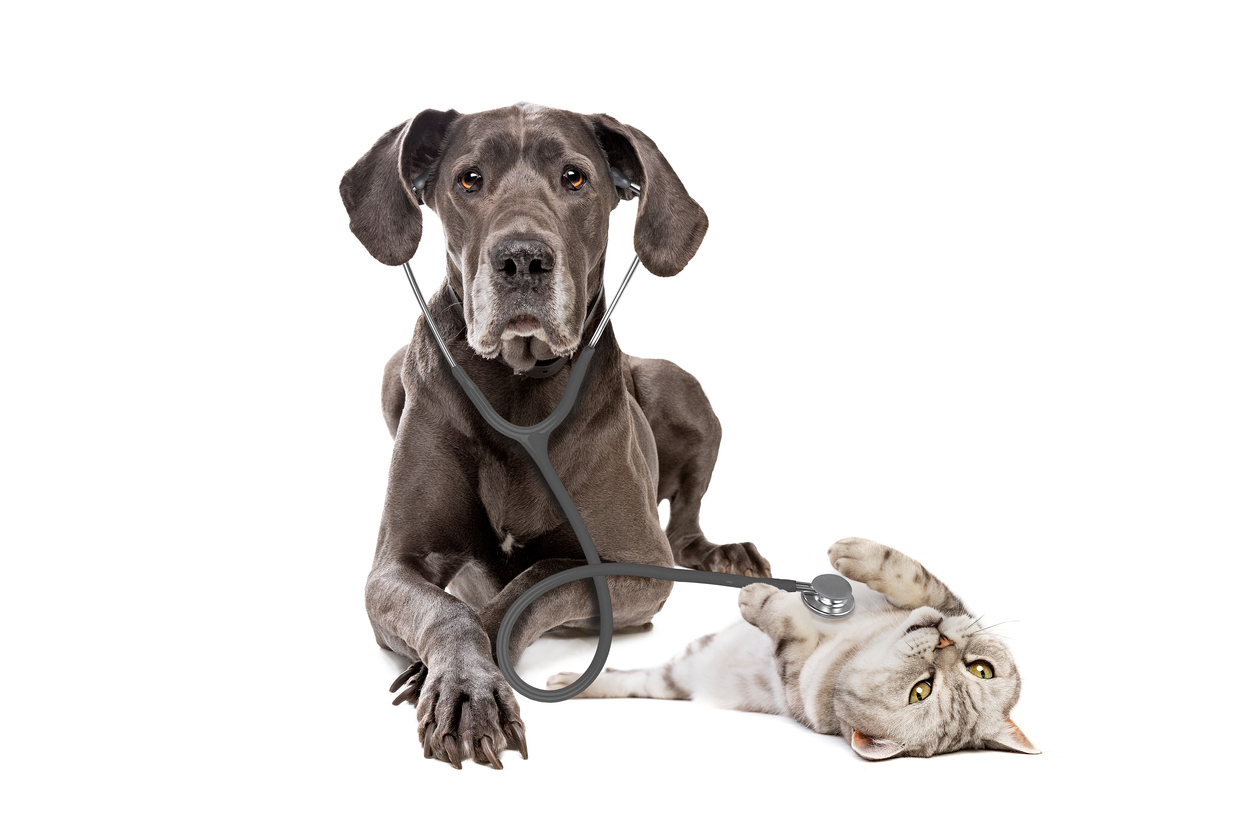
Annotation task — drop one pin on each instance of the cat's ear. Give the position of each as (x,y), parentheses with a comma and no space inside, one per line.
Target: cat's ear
(1012,739)
(874,749)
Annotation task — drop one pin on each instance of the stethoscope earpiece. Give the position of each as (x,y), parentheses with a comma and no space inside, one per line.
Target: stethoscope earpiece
(420,183)
(830,596)
(622,181)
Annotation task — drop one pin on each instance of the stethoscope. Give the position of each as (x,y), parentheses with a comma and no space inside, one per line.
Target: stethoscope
(829,596)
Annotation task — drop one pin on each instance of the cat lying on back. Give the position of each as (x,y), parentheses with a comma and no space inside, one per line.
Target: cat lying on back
(908,673)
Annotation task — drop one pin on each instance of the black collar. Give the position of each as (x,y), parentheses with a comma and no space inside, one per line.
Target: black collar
(542,368)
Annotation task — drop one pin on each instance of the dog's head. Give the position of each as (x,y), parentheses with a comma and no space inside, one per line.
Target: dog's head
(525,195)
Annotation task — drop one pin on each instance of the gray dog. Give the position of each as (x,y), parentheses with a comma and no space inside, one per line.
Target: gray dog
(525,196)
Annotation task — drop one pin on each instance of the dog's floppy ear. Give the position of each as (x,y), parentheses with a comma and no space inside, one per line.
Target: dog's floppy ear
(669,223)
(377,192)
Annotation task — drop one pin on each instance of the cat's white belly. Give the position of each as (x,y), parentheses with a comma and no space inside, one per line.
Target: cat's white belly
(736,670)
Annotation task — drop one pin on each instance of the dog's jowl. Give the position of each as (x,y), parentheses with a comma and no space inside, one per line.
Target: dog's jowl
(524,195)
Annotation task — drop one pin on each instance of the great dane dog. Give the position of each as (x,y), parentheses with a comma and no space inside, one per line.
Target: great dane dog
(525,195)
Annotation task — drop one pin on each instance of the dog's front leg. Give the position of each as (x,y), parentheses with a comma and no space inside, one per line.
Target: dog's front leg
(465,707)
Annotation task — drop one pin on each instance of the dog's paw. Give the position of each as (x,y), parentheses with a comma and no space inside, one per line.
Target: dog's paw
(754,601)
(467,710)
(858,559)
(732,558)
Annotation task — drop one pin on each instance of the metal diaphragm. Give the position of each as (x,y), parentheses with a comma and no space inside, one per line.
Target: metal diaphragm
(830,596)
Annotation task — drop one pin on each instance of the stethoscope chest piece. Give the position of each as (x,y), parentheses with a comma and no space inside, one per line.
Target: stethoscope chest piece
(830,596)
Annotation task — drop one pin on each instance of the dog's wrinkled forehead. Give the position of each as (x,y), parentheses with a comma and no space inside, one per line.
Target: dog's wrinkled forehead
(539,138)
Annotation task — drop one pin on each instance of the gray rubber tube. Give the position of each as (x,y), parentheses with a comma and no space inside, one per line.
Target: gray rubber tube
(597,571)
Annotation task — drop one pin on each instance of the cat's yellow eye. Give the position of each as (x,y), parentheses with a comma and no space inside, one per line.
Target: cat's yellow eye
(981,669)
(921,691)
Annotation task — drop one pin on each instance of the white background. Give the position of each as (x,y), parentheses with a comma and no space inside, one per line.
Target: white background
(976,285)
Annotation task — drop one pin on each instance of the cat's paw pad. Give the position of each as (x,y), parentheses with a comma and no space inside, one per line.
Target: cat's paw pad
(858,559)
(754,599)
(560,680)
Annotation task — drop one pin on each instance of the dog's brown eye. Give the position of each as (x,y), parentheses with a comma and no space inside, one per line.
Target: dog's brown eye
(470,180)
(573,178)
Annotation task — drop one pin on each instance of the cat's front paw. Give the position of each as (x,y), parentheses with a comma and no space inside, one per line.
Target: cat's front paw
(754,600)
(859,560)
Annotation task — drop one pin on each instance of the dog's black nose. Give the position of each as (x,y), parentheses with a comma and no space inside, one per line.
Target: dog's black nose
(520,256)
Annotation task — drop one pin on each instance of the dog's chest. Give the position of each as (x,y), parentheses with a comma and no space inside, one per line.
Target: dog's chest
(516,501)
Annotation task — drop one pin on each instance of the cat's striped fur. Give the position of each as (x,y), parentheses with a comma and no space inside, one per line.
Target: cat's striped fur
(854,676)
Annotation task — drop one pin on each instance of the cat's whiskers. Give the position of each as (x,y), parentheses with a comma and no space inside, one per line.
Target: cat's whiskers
(991,626)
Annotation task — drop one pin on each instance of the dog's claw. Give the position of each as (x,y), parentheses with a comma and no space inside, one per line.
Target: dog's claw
(428,734)
(484,747)
(453,751)
(517,734)
(410,672)
(417,674)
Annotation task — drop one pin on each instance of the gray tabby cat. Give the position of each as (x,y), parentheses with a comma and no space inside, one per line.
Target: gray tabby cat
(908,673)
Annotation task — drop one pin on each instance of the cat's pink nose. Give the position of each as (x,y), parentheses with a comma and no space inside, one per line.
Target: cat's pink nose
(944,642)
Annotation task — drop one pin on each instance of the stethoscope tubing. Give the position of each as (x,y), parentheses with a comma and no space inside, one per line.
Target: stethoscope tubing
(598,572)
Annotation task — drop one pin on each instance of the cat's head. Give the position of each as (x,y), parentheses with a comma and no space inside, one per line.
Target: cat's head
(935,684)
